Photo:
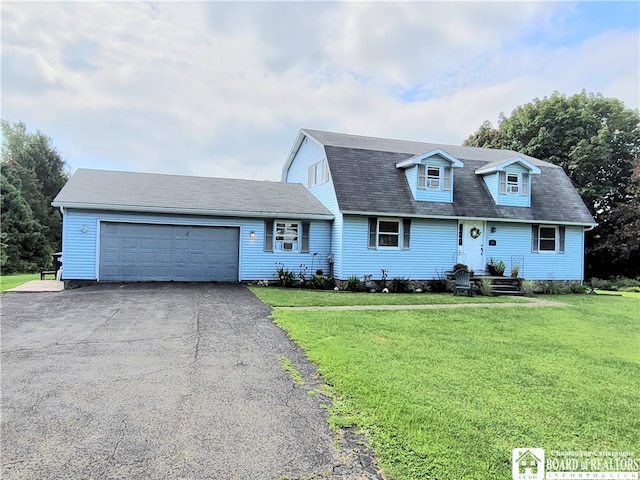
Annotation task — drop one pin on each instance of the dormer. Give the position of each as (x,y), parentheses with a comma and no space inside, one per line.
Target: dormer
(509,181)
(430,175)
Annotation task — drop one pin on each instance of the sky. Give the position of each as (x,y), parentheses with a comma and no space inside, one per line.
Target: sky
(222,89)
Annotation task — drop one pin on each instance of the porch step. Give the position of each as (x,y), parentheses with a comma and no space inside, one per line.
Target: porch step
(506,286)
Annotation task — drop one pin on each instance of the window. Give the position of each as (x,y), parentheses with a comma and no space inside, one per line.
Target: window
(286,236)
(545,238)
(434,177)
(389,233)
(514,183)
(318,173)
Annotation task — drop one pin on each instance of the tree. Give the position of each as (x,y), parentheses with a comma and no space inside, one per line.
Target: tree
(41,171)
(596,140)
(24,245)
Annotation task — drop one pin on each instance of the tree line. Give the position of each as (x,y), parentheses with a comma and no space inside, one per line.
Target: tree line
(32,172)
(596,140)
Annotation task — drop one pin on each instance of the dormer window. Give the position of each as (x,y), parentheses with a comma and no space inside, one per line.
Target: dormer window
(514,183)
(434,177)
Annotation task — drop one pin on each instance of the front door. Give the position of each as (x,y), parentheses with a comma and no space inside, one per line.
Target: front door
(471,244)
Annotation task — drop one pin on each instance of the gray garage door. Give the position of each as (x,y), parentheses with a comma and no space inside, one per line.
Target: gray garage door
(144,252)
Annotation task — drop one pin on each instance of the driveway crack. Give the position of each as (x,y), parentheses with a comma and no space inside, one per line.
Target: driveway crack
(196,350)
(123,427)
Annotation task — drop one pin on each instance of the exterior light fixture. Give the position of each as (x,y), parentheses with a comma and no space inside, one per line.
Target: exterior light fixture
(252,235)
(84,229)
(493,229)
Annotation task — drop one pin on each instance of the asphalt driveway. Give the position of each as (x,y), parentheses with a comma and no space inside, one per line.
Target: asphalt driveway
(154,381)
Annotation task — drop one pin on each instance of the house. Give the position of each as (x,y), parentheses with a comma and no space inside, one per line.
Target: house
(416,209)
(346,204)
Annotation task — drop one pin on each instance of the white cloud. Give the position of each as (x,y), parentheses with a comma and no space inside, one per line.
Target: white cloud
(221,89)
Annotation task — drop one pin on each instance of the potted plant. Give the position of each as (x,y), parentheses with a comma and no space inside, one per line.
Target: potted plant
(496,267)
(515,270)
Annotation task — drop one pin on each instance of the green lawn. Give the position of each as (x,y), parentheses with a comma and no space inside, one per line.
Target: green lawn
(447,394)
(9,281)
(289,297)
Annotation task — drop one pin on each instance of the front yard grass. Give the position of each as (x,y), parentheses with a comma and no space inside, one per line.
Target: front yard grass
(447,394)
(291,297)
(10,281)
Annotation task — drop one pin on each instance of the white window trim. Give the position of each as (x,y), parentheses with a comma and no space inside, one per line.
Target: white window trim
(318,173)
(518,183)
(297,243)
(429,178)
(400,233)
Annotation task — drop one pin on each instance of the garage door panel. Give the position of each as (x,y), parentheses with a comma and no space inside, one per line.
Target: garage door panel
(143,252)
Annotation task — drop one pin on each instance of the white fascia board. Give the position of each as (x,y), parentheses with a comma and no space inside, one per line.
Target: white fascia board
(437,152)
(479,219)
(191,211)
(501,166)
(302,134)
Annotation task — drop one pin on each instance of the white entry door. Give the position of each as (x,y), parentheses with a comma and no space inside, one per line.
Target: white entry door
(471,237)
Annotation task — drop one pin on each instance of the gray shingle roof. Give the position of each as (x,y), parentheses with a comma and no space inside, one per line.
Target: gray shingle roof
(104,189)
(366,180)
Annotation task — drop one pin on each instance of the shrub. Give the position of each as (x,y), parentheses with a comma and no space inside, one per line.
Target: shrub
(316,282)
(552,288)
(486,287)
(437,286)
(460,266)
(399,285)
(577,287)
(283,275)
(354,284)
(319,272)
(529,288)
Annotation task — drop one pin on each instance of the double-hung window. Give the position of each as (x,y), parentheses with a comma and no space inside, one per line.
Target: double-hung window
(547,238)
(318,173)
(286,236)
(514,183)
(389,233)
(434,177)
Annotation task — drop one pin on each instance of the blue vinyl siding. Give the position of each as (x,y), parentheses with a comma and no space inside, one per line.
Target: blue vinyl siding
(433,249)
(308,154)
(492,182)
(80,249)
(513,242)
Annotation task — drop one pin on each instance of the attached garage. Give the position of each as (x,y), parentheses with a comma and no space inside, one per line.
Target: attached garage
(144,227)
(146,252)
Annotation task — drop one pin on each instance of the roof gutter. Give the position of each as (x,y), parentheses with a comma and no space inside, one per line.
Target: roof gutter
(190,211)
(453,217)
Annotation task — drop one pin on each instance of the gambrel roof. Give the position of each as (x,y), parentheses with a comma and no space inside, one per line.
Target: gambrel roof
(182,194)
(367,181)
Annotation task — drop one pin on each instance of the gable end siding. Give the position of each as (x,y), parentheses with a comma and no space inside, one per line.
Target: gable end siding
(307,155)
